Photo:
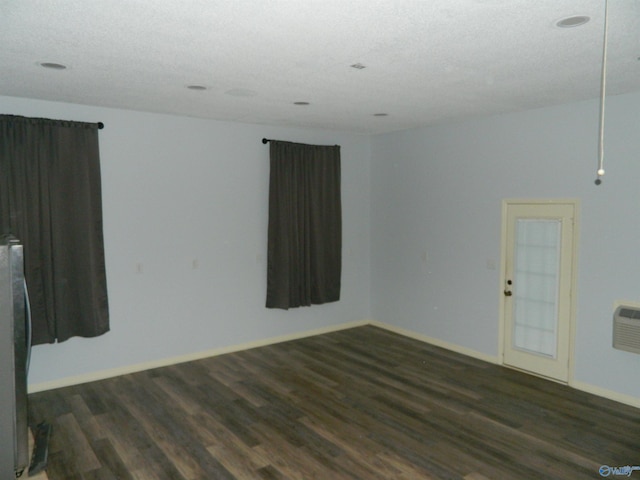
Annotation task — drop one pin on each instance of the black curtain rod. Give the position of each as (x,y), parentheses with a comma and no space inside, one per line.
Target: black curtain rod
(267,140)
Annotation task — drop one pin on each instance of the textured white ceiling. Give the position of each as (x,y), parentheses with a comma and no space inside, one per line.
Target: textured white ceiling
(427,61)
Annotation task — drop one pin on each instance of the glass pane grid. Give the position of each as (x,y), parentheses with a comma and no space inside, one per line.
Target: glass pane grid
(536,275)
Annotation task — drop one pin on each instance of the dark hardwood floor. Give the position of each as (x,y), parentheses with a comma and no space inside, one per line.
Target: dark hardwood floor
(362,403)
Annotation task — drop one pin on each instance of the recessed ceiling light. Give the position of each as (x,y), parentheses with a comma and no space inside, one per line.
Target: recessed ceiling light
(53,66)
(380,114)
(574,21)
(301,103)
(196,87)
(358,66)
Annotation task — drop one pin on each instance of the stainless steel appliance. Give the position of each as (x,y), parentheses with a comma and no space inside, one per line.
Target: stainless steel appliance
(14,354)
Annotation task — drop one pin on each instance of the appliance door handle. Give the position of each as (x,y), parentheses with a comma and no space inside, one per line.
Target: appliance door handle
(27,308)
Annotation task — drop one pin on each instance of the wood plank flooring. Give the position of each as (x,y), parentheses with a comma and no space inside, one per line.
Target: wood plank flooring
(362,403)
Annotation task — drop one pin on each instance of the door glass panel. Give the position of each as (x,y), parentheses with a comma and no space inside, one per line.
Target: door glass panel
(535,285)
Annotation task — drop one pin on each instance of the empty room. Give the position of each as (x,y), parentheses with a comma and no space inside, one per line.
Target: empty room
(382,239)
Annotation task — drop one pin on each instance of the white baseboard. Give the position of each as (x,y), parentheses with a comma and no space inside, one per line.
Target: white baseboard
(438,343)
(578,385)
(164,362)
(603,392)
(114,372)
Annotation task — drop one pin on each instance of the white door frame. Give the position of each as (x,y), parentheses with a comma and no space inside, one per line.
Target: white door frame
(503,267)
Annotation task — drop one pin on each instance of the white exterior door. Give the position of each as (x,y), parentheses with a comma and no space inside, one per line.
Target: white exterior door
(538,310)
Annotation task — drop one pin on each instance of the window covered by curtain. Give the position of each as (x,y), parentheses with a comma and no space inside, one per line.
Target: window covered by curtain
(51,199)
(304,253)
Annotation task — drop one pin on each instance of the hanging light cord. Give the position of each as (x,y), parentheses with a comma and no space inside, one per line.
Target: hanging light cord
(603,92)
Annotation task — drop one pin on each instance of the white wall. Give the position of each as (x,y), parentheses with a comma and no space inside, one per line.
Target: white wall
(438,191)
(178,190)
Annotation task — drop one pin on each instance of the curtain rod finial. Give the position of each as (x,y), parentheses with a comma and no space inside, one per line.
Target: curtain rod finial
(265,141)
(100,125)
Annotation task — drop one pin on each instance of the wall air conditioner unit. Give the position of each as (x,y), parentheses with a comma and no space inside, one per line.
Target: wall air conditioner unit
(626,327)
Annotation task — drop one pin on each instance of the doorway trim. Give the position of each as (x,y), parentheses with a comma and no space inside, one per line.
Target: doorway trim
(573,277)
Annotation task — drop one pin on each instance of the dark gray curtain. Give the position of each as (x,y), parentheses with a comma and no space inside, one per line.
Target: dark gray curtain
(50,198)
(304,253)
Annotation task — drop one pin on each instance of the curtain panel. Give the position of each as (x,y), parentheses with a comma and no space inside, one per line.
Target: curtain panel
(51,199)
(304,252)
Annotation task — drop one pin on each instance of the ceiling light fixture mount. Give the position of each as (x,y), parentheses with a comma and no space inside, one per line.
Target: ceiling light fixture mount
(301,103)
(358,66)
(196,87)
(573,21)
(53,65)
